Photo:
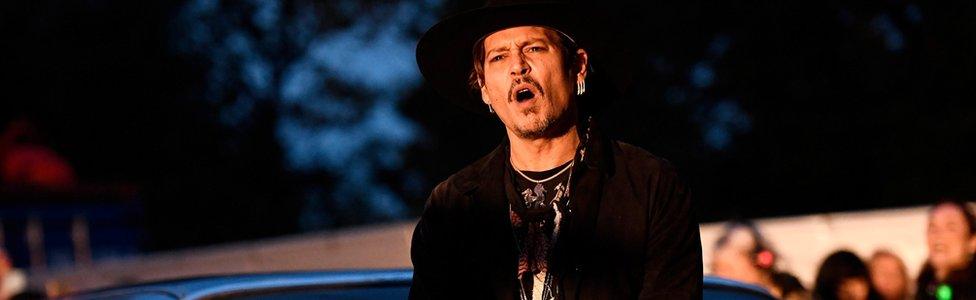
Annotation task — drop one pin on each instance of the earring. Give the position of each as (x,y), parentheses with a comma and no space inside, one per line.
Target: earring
(490,110)
(581,87)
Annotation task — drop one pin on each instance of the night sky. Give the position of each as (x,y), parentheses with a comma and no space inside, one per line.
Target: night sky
(240,120)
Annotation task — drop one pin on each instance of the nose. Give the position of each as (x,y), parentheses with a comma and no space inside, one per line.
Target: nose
(519,66)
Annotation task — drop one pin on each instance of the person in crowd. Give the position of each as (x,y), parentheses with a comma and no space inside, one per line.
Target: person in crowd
(844,276)
(889,275)
(12,280)
(949,271)
(743,254)
(790,287)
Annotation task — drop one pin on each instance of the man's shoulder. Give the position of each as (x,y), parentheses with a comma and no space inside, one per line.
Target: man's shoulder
(636,159)
(651,177)
(464,179)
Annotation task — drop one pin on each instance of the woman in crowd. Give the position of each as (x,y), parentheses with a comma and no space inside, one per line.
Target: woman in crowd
(889,275)
(949,272)
(843,276)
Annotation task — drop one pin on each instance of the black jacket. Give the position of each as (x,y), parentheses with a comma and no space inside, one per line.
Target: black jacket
(961,282)
(631,232)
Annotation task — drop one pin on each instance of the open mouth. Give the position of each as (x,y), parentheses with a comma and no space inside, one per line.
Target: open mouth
(523,95)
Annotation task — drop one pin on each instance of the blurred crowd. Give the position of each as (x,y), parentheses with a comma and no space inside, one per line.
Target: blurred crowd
(742,253)
(25,161)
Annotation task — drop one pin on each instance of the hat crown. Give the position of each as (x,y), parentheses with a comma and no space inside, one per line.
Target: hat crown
(444,53)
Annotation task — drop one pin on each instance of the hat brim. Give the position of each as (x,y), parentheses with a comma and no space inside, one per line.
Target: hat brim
(444,53)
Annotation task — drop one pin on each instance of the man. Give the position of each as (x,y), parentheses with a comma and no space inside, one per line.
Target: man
(741,253)
(556,211)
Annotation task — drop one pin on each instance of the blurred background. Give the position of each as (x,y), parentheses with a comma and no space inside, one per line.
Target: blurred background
(132,130)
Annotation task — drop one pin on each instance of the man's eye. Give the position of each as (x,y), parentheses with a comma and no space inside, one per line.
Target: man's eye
(536,49)
(496,58)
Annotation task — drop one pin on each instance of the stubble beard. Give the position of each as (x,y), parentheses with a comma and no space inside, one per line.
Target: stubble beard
(535,125)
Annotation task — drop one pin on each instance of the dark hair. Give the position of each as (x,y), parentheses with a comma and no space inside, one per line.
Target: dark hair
(967,211)
(566,45)
(788,284)
(840,266)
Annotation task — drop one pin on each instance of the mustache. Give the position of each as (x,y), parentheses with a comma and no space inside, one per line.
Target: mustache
(521,80)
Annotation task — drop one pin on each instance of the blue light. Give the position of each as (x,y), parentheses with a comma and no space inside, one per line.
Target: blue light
(722,121)
(893,38)
(717,137)
(702,75)
(336,89)
(267,15)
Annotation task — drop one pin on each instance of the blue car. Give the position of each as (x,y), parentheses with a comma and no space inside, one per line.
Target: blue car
(351,285)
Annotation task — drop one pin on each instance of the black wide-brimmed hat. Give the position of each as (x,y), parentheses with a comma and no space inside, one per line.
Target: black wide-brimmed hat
(444,53)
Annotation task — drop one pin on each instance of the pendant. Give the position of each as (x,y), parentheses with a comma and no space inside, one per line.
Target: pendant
(540,192)
(534,197)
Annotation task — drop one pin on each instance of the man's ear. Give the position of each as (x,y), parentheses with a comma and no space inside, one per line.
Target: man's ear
(582,61)
(484,93)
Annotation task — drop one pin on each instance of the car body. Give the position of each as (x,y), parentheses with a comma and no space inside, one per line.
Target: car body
(339,285)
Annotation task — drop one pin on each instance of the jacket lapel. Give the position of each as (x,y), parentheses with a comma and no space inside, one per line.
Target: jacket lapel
(489,211)
(575,241)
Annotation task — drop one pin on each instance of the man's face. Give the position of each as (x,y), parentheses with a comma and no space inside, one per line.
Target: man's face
(525,80)
(950,242)
(734,259)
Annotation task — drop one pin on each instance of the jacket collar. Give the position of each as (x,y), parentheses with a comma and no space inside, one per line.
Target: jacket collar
(597,155)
